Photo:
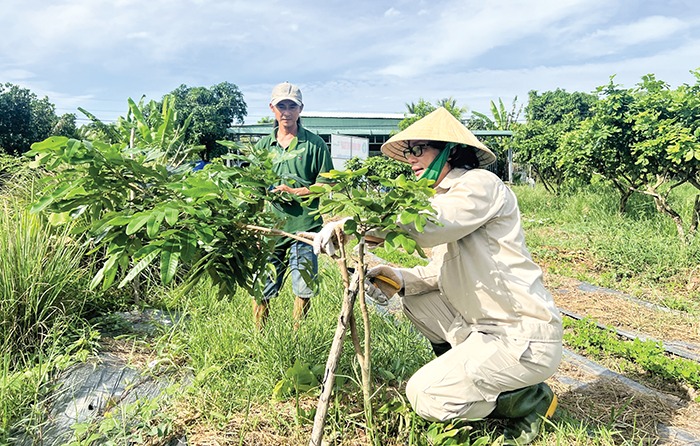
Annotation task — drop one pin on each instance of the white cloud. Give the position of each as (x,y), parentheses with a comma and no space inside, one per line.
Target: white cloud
(462,31)
(15,75)
(371,55)
(617,39)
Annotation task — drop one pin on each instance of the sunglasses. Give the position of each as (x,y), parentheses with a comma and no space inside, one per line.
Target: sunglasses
(416,150)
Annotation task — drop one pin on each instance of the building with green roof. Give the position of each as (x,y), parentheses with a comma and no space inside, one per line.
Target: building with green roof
(377,128)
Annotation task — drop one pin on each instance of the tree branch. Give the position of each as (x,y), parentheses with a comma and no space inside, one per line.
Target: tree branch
(271,231)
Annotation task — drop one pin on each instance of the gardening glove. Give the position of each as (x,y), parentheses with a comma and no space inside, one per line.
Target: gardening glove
(325,240)
(382,283)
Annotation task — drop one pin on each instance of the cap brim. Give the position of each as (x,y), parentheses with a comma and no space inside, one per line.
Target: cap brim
(278,100)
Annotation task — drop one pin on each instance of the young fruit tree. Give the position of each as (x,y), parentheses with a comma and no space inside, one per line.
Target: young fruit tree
(142,207)
(371,214)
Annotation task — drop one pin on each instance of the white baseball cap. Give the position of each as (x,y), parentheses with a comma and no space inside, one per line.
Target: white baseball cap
(285,91)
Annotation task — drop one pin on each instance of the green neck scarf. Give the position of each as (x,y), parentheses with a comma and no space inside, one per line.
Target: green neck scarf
(434,169)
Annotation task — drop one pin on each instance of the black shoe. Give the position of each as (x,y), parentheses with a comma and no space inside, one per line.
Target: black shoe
(441,349)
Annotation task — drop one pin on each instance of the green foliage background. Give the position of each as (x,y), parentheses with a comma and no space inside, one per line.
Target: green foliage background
(25,119)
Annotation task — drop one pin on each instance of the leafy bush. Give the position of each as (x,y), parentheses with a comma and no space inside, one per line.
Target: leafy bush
(380,167)
(142,204)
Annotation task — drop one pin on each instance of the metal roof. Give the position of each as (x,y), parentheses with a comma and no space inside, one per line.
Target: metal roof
(328,125)
(355,124)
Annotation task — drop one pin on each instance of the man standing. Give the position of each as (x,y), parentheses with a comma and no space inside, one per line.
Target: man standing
(311,158)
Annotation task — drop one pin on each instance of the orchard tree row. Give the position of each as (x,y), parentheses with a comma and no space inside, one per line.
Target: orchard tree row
(642,140)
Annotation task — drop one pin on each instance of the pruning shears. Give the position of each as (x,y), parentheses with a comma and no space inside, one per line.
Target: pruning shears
(387,286)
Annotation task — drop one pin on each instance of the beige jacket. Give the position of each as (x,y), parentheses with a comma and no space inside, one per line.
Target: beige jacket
(480,261)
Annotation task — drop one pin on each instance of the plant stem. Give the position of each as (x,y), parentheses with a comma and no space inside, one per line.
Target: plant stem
(334,358)
(363,355)
(296,237)
(367,369)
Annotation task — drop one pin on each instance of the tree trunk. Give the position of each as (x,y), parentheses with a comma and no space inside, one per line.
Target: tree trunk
(364,355)
(625,194)
(333,359)
(696,217)
(663,206)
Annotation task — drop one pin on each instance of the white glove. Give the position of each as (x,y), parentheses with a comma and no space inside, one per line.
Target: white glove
(325,239)
(382,283)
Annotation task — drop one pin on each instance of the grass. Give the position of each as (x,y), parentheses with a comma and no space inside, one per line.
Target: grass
(250,387)
(43,293)
(583,236)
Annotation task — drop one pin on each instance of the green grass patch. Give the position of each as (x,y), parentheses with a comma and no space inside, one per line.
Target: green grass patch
(585,236)
(248,382)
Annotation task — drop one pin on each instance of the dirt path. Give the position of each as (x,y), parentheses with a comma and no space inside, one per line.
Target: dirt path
(622,397)
(619,310)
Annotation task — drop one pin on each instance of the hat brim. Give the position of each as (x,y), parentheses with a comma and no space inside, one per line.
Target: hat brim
(439,125)
(278,100)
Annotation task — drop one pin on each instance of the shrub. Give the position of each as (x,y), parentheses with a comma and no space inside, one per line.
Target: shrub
(378,166)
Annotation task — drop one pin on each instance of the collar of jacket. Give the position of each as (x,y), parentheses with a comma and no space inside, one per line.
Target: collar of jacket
(451,178)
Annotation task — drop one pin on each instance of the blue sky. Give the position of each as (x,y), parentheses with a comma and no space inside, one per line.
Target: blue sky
(347,56)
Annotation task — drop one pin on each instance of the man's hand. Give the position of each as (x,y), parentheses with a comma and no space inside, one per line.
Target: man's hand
(298,191)
(326,240)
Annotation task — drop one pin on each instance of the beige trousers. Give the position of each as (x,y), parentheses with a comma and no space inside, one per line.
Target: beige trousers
(465,382)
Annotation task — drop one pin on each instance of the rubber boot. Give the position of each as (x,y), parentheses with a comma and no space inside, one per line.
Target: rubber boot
(441,348)
(301,308)
(261,311)
(526,410)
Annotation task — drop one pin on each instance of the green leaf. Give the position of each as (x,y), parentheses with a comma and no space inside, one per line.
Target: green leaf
(137,221)
(119,220)
(47,144)
(408,244)
(56,219)
(152,252)
(297,379)
(350,226)
(42,204)
(169,258)
(198,187)
(46,200)
(188,246)
(407,217)
(420,222)
(171,215)
(153,224)
(105,274)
